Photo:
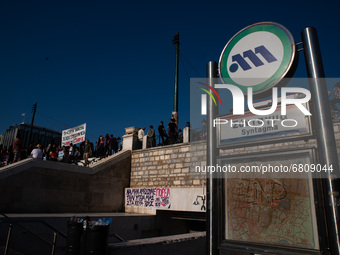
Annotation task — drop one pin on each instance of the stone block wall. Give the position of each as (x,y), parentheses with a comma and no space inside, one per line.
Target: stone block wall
(165,166)
(169,166)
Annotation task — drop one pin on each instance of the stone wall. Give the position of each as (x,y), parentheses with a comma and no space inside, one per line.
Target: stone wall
(165,166)
(169,166)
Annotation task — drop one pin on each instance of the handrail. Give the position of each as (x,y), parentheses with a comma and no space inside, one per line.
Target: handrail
(16,222)
(36,221)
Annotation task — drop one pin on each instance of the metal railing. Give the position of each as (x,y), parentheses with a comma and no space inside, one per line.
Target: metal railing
(195,134)
(17,223)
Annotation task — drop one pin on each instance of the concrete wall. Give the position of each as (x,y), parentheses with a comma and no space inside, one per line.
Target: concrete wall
(149,200)
(43,186)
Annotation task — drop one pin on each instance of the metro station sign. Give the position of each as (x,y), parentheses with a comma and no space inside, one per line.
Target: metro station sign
(258,56)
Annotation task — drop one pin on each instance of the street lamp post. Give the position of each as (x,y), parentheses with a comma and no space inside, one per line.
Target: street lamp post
(175,42)
(34,109)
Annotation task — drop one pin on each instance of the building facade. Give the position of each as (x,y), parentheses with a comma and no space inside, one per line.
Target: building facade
(41,135)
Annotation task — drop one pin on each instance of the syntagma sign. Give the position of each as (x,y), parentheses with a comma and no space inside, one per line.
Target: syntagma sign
(235,131)
(258,56)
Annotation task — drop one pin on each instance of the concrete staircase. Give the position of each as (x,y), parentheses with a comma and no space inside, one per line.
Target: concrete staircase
(142,234)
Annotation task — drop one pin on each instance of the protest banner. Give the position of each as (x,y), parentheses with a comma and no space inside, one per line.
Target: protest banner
(73,135)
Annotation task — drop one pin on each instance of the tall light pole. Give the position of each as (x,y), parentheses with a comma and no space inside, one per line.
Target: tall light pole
(34,109)
(175,41)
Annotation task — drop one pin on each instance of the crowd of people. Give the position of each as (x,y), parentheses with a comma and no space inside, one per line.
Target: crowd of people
(169,135)
(72,153)
(104,146)
(107,146)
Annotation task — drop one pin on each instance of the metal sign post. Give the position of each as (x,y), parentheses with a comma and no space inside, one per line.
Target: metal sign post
(212,153)
(324,132)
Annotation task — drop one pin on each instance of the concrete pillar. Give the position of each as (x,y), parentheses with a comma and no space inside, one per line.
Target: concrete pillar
(145,142)
(186,135)
(130,139)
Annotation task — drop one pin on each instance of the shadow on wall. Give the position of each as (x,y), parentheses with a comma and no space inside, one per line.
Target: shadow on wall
(36,186)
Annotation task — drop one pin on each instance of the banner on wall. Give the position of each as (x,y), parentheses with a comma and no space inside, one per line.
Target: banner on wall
(148,197)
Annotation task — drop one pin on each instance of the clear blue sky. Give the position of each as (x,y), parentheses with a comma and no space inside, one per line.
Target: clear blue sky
(111,64)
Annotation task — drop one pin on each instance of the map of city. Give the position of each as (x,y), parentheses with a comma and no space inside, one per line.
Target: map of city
(273,211)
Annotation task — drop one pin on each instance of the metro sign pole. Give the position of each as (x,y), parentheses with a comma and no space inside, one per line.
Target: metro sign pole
(213,182)
(324,134)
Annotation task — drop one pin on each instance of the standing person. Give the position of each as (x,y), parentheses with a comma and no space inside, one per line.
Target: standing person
(113,144)
(100,147)
(140,137)
(53,153)
(71,153)
(172,131)
(119,144)
(17,148)
(92,149)
(180,136)
(48,149)
(87,152)
(28,151)
(66,154)
(61,153)
(81,149)
(6,157)
(37,152)
(76,154)
(151,136)
(162,132)
(10,155)
(97,146)
(107,145)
